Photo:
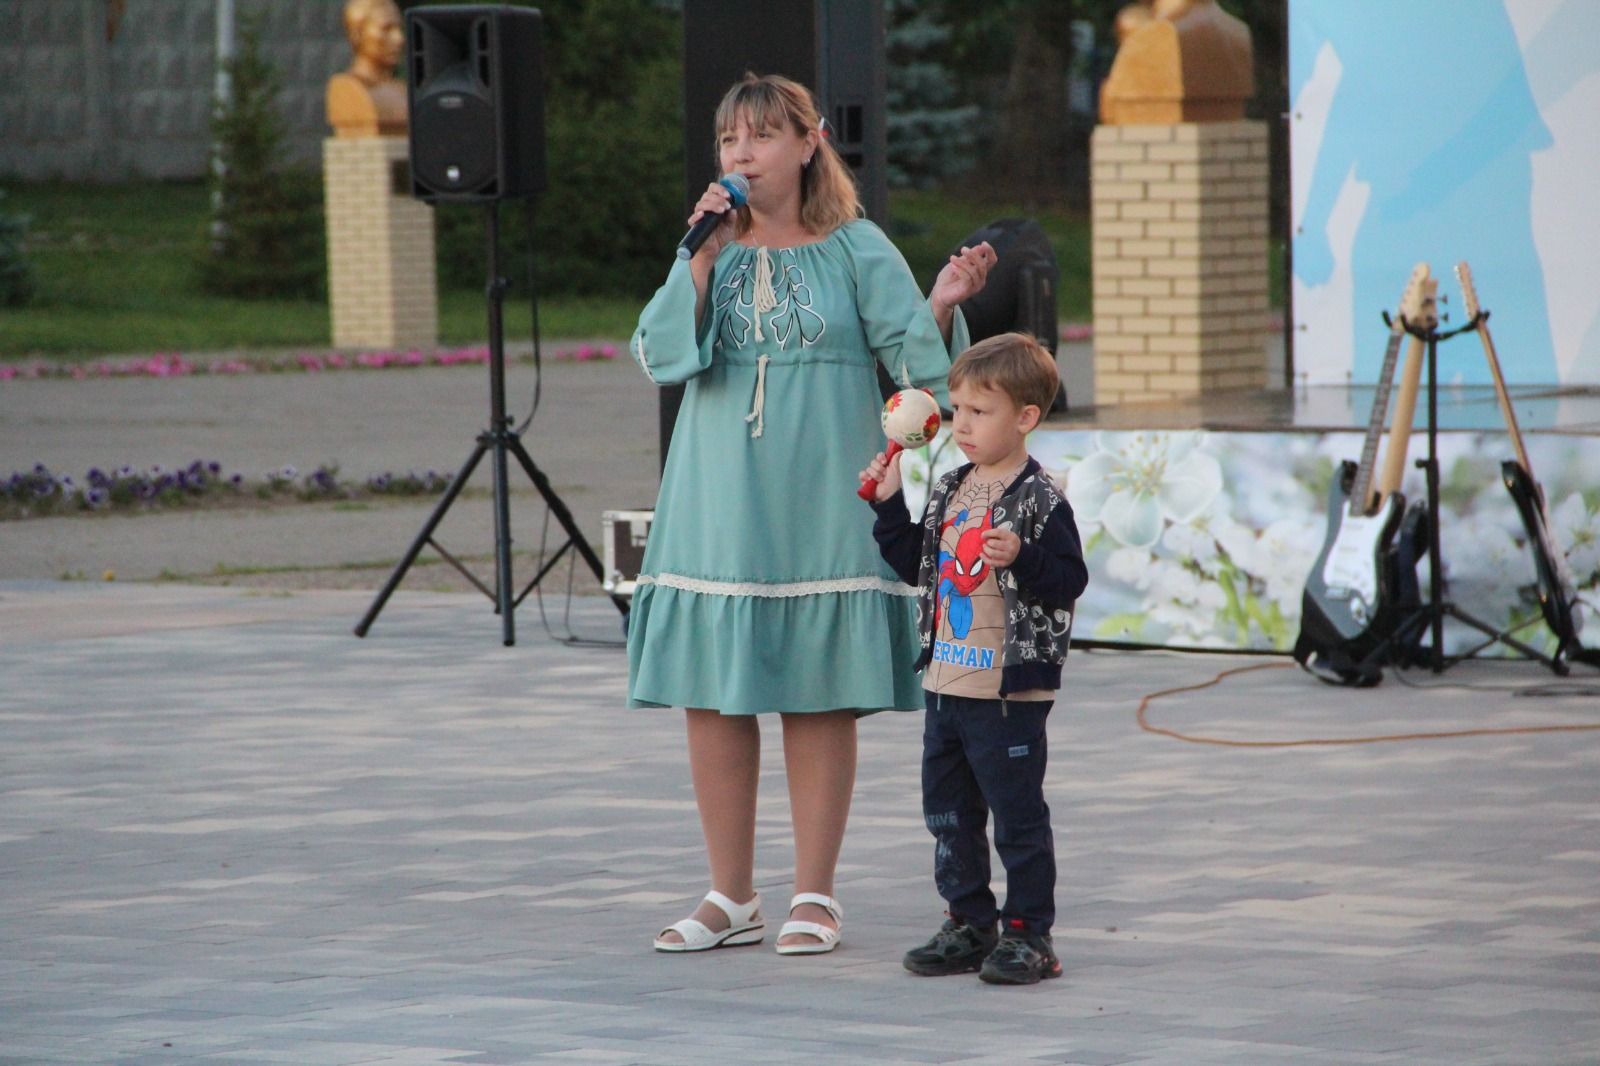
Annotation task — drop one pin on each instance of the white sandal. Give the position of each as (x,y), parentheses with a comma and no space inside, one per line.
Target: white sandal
(745,926)
(827,939)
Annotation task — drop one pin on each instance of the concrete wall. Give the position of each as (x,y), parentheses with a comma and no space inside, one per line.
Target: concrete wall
(75,105)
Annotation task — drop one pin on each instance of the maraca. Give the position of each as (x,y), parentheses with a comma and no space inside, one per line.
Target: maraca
(910,419)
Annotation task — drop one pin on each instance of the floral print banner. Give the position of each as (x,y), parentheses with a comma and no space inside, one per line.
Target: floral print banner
(1204,540)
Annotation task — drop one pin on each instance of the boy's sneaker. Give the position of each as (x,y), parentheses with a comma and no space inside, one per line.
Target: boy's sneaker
(1020,958)
(956,948)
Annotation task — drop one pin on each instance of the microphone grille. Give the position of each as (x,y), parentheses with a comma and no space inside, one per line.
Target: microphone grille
(738,186)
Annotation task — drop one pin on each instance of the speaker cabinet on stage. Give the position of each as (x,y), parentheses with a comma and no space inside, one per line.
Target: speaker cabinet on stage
(476,100)
(833,47)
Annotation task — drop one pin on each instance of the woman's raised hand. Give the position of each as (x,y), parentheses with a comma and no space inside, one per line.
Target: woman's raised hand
(963,276)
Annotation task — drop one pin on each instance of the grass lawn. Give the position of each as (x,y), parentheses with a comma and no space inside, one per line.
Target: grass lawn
(118,269)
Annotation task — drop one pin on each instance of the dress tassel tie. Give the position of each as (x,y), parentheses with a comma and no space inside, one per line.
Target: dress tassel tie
(758,407)
(765,297)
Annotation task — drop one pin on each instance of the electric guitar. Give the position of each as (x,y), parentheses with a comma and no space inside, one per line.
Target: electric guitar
(1350,602)
(1557,594)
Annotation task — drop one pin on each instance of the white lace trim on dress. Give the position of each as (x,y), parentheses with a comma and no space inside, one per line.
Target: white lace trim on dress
(777,591)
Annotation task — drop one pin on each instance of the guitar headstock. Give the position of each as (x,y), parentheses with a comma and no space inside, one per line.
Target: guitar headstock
(1419,303)
(1469,294)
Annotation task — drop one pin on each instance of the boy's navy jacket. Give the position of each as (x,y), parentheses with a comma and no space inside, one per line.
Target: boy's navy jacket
(1039,588)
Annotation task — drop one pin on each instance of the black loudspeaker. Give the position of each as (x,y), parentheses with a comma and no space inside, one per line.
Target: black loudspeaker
(476,102)
(1020,294)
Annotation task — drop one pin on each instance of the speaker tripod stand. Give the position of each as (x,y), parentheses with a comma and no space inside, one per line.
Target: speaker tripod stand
(502,441)
(1431,615)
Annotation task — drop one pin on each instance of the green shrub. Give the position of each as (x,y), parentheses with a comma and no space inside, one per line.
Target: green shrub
(16,273)
(266,238)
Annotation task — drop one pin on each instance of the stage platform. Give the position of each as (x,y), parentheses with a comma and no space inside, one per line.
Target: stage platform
(1201,519)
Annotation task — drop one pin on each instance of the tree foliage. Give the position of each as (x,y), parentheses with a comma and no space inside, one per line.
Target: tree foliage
(931,131)
(266,236)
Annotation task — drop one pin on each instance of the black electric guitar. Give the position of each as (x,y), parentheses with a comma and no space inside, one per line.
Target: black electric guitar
(1352,602)
(1557,594)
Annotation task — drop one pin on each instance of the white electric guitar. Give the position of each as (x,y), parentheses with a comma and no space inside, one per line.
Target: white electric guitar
(1346,604)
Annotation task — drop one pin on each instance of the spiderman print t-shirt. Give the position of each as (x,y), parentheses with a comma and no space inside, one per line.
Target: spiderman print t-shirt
(969,628)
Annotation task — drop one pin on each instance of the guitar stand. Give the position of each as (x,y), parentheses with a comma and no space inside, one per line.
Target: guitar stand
(1431,615)
(501,440)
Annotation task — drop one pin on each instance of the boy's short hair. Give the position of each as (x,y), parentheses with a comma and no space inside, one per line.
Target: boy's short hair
(1013,363)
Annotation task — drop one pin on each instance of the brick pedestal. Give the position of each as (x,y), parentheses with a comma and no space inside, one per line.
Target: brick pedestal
(381,286)
(1180,259)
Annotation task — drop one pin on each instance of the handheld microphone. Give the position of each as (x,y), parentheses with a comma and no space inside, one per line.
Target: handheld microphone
(738,187)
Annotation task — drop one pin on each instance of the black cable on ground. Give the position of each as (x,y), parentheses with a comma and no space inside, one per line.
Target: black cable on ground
(1144,723)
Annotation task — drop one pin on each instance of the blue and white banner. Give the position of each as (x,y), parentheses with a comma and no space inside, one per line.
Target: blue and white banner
(1205,539)
(1434,131)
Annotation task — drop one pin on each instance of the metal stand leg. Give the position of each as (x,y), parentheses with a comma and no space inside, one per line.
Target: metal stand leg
(500,439)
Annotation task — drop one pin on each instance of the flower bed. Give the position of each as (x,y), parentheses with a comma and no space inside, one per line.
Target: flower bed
(176,365)
(39,492)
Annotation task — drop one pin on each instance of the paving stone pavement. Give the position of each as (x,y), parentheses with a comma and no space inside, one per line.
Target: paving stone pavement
(231,832)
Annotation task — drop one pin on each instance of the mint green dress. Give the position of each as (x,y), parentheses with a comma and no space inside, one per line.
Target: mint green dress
(761,587)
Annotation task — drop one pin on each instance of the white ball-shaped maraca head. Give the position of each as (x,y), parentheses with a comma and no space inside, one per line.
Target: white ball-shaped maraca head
(911,417)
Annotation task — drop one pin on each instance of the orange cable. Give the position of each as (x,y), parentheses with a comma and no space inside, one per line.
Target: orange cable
(1144,723)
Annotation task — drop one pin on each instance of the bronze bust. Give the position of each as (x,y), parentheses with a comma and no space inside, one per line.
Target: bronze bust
(367,100)
(1179,61)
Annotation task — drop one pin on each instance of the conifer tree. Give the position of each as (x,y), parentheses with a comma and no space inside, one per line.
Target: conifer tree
(266,228)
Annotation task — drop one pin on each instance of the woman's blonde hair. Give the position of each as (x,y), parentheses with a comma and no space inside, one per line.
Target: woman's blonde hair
(827,188)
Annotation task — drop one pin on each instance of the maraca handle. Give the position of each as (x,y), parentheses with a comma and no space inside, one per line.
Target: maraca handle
(869,487)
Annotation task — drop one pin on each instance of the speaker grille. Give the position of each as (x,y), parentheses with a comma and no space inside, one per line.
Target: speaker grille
(455,140)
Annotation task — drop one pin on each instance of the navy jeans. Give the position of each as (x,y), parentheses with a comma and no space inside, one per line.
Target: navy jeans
(980,756)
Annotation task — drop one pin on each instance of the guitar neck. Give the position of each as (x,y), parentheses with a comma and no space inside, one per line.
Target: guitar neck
(1504,396)
(1405,413)
(1361,501)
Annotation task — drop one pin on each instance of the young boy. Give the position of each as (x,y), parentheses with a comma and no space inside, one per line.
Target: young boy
(998,566)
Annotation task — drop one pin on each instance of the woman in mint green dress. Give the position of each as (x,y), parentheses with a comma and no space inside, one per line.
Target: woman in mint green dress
(761,589)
